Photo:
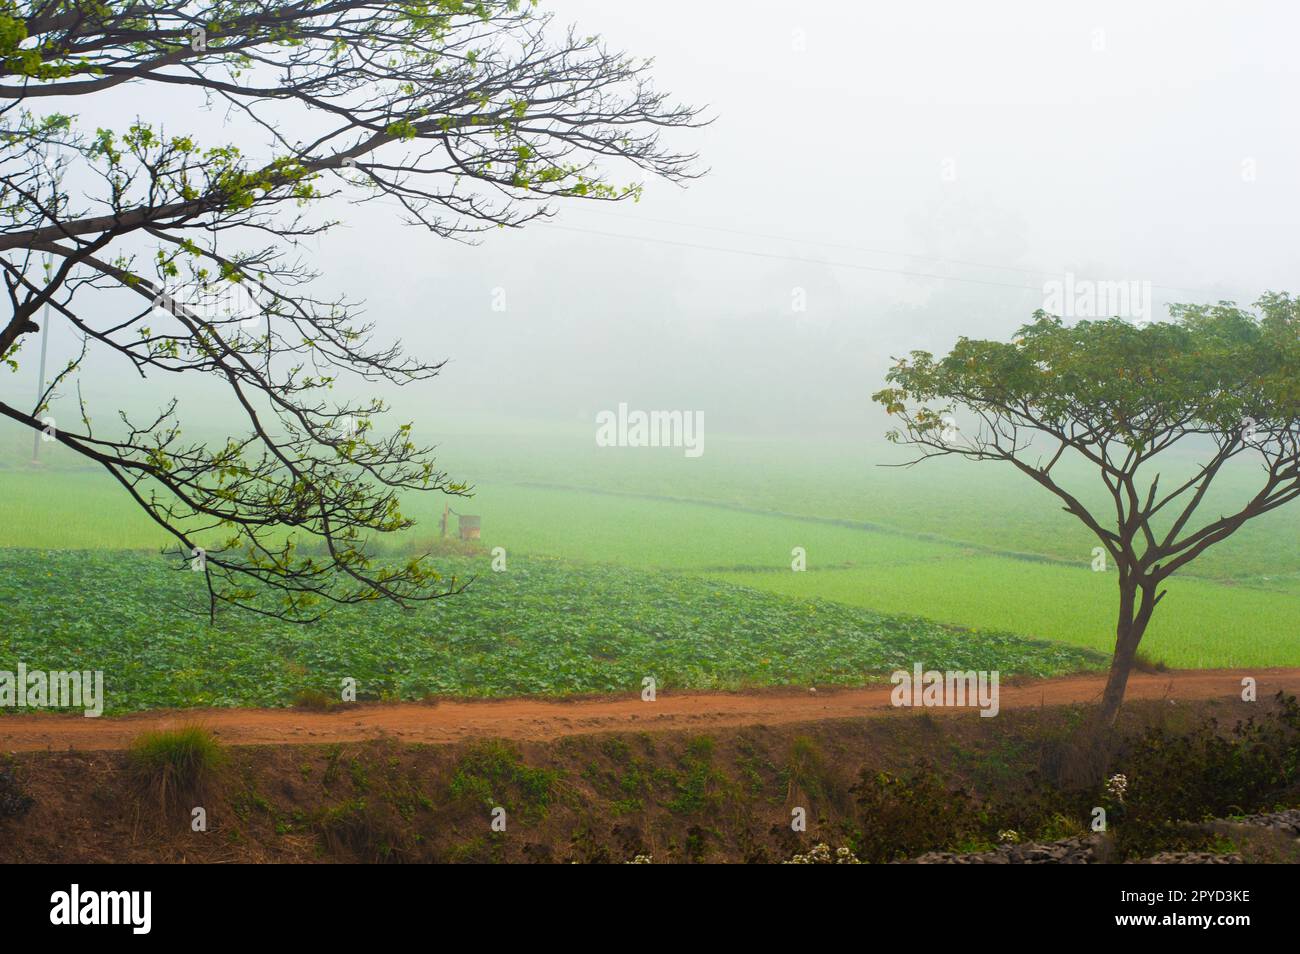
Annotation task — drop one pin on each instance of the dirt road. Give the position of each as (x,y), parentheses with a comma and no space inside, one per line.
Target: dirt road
(529,719)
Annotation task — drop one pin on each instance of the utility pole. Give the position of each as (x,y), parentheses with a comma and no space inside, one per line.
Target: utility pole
(40,380)
(52,168)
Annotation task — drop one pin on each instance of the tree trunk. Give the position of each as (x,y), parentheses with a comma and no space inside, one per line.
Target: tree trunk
(1134,614)
(1121,665)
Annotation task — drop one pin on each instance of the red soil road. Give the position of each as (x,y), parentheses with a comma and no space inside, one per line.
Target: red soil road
(540,720)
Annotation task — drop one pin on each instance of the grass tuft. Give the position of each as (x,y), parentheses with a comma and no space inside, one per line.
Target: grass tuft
(175,762)
(1144,662)
(313,700)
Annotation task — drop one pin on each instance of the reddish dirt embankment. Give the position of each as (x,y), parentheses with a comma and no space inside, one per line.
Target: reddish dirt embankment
(540,720)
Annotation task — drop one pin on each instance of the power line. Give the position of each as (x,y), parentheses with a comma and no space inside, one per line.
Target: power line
(852,248)
(790,258)
(550,224)
(839,245)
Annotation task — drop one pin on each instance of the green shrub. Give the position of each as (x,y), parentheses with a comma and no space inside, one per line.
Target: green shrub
(903,816)
(701,787)
(803,773)
(14,801)
(493,774)
(1190,776)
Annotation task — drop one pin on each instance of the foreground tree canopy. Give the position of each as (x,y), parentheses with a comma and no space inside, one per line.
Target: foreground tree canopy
(1217,381)
(173,255)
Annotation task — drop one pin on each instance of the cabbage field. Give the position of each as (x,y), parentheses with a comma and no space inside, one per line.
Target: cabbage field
(620,568)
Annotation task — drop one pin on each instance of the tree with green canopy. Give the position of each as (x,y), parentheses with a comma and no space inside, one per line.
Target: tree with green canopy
(181,259)
(1219,382)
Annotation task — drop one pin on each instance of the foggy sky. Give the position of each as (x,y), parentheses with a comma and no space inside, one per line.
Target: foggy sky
(852,143)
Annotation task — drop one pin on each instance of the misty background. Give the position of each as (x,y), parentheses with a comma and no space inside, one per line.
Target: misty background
(880,178)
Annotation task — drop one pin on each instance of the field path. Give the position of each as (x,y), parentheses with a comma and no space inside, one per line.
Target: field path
(539,720)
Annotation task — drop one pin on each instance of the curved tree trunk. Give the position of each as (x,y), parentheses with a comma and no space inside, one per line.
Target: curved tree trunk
(1134,614)
(1116,681)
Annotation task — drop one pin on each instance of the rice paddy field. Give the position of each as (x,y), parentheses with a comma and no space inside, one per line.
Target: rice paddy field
(626,563)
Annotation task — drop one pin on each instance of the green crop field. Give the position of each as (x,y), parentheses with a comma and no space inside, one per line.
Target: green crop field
(623,566)
(1199,625)
(542,626)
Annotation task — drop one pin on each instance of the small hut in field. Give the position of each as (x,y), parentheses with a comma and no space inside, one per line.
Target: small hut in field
(468,528)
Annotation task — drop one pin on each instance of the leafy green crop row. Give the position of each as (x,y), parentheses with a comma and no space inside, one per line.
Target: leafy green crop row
(542,626)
